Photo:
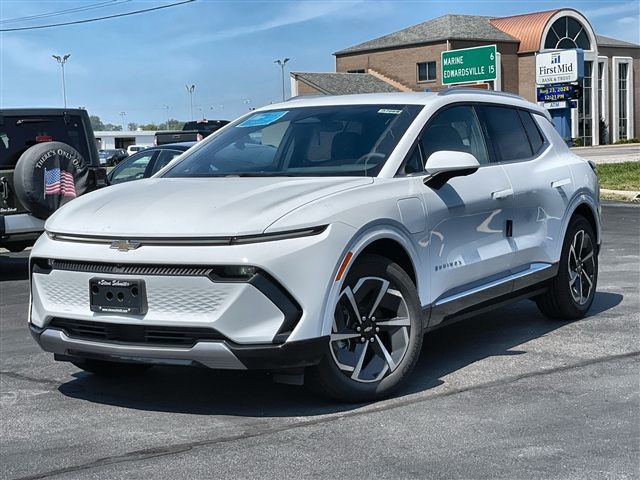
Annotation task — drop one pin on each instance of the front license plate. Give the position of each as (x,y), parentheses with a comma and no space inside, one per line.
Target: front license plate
(110,295)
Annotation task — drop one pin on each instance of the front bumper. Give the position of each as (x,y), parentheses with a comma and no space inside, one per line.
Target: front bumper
(227,324)
(213,354)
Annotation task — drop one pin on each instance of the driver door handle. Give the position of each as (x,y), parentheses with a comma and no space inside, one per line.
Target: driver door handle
(502,194)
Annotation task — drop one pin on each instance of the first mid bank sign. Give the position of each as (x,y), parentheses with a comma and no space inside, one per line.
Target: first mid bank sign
(562,66)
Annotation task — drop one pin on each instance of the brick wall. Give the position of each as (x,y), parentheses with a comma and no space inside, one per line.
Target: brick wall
(306,89)
(527,76)
(400,64)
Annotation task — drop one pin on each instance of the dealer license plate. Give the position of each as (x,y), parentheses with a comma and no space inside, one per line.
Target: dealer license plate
(110,295)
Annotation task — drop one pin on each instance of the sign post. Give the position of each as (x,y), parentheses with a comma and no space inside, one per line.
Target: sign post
(469,65)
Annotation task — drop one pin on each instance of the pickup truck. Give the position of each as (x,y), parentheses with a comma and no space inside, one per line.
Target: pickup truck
(191,132)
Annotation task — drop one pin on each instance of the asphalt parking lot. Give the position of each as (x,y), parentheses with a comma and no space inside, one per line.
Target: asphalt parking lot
(505,395)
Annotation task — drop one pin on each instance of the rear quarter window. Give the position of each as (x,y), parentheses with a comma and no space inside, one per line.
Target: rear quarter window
(535,137)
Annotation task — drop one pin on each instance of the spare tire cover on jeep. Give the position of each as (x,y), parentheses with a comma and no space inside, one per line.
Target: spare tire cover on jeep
(48,175)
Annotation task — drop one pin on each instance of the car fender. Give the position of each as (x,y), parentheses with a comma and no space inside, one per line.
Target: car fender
(580,197)
(380,230)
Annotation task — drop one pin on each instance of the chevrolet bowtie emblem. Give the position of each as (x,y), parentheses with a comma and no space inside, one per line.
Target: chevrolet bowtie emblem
(124,245)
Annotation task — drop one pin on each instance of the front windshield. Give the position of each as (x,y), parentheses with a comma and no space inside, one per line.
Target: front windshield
(339,140)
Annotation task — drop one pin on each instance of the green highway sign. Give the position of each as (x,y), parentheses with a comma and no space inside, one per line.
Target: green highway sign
(469,65)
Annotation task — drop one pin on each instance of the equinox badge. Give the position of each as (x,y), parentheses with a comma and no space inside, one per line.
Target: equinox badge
(124,245)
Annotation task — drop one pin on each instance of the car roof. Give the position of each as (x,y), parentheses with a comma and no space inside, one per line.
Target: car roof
(177,146)
(449,95)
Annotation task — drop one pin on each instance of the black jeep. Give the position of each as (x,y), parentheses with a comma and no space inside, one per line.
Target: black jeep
(48,156)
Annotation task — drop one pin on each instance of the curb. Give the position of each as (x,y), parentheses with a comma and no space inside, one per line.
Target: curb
(622,193)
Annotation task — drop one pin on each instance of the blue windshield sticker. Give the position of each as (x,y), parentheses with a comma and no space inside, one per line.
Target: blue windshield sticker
(262,119)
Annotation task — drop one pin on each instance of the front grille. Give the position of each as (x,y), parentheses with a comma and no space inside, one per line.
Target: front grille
(134,334)
(106,268)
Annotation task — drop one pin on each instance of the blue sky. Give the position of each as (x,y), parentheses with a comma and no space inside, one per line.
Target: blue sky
(139,63)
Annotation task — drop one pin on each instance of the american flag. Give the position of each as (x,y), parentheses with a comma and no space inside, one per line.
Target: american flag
(59,182)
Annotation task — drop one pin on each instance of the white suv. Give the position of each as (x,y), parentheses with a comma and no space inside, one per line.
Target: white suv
(320,238)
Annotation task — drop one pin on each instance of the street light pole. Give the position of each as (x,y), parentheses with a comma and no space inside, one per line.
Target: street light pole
(62,61)
(282,63)
(190,89)
(122,114)
(166,107)
(247,102)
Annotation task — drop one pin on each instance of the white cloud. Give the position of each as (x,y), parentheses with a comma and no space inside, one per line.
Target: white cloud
(297,13)
(629,20)
(20,56)
(604,11)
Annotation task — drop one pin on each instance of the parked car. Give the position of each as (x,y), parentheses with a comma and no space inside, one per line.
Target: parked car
(146,162)
(48,157)
(131,149)
(112,156)
(321,239)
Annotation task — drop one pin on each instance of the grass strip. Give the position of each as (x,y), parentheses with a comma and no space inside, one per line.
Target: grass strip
(620,176)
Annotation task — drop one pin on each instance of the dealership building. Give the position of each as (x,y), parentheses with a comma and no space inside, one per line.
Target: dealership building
(411,60)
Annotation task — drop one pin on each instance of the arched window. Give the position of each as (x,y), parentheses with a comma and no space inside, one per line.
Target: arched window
(567,32)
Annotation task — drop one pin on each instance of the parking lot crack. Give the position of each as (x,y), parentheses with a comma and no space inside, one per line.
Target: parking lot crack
(374,408)
(17,376)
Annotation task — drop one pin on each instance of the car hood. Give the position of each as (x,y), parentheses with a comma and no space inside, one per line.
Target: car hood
(192,207)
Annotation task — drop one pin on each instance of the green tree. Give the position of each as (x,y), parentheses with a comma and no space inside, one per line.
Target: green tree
(110,127)
(132,126)
(175,124)
(96,123)
(150,126)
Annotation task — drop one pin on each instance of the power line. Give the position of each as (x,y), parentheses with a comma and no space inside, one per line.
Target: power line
(65,12)
(97,19)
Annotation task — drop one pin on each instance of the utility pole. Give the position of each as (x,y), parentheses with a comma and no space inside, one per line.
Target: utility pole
(282,63)
(166,107)
(190,89)
(62,61)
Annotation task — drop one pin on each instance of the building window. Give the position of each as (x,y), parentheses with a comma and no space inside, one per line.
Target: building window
(426,71)
(623,114)
(622,83)
(567,32)
(585,115)
(359,70)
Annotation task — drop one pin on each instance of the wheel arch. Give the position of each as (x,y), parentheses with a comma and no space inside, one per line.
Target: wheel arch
(586,207)
(387,241)
(394,251)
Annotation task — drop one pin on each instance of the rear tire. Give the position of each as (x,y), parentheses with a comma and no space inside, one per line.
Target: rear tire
(376,335)
(111,369)
(573,289)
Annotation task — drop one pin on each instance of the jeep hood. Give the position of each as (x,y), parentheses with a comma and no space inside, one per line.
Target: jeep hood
(192,207)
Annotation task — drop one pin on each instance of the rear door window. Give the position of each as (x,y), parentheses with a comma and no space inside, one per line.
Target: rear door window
(507,133)
(18,134)
(163,160)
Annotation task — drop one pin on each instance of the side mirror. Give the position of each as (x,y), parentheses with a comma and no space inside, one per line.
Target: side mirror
(444,165)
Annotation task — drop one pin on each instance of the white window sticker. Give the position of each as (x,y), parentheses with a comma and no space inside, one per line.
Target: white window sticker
(389,111)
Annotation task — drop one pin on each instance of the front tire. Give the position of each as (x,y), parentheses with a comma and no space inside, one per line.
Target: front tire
(376,335)
(572,291)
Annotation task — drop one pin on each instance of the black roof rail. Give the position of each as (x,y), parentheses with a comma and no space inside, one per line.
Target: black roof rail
(457,90)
